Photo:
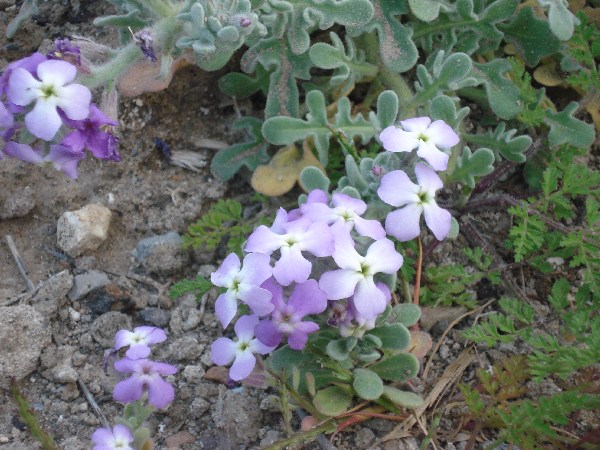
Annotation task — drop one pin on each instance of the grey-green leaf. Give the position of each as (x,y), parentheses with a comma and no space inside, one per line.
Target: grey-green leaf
(470,165)
(400,367)
(402,398)
(332,401)
(503,96)
(367,384)
(407,314)
(394,336)
(565,129)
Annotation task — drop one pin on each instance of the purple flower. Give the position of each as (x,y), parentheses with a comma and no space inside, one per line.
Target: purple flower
(90,132)
(422,134)
(65,51)
(292,238)
(64,158)
(286,318)
(397,190)
(242,284)
(50,91)
(120,438)
(355,276)
(353,324)
(240,352)
(139,340)
(144,41)
(23,152)
(346,212)
(145,374)
(30,64)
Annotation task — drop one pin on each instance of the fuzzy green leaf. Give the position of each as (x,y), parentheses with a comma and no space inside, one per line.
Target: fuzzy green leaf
(332,401)
(227,162)
(443,108)
(405,313)
(312,178)
(367,384)
(340,349)
(401,367)
(241,85)
(470,165)
(28,9)
(565,129)
(531,36)
(503,95)
(396,48)
(502,142)
(402,398)
(562,21)
(393,336)
(425,10)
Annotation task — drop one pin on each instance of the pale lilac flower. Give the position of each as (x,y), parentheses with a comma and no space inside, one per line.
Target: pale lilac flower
(90,132)
(398,190)
(292,238)
(30,64)
(240,351)
(346,212)
(145,375)
(139,340)
(242,284)
(286,318)
(23,152)
(120,438)
(49,91)
(355,276)
(422,134)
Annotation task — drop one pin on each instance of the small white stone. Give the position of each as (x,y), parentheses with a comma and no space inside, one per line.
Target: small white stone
(83,230)
(74,315)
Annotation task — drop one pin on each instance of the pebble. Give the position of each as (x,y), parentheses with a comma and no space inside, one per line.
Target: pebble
(238,415)
(162,255)
(155,316)
(86,282)
(17,204)
(24,333)
(83,230)
(51,294)
(106,326)
(364,438)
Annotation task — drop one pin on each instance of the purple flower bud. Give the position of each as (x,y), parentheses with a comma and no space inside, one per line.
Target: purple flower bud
(63,49)
(144,41)
(245,22)
(377,171)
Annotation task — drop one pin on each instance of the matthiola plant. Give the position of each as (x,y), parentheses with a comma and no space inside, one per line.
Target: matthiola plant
(47,117)
(321,307)
(142,390)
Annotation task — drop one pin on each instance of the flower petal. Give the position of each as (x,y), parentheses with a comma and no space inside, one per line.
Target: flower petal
(368,299)
(128,390)
(383,257)
(228,269)
(74,100)
(242,366)
(244,327)
(222,351)
(434,156)
(256,268)
(226,308)
(263,240)
(297,338)
(56,72)
(22,87)
(267,333)
(23,152)
(403,223)
(339,284)
(416,124)
(308,298)
(65,159)
(292,266)
(396,140)
(258,299)
(371,228)
(427,178)
(397,189)
(438,220)
(442,135)
(160,392)
(43,120)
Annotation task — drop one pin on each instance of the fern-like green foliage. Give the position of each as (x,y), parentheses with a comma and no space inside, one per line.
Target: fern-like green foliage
(584,49)
(453,284)
(198,286)
(223,222)
(498,401)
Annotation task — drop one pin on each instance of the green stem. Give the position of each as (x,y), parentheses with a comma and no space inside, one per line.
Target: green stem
(161,8)
(436,28)
(113,68)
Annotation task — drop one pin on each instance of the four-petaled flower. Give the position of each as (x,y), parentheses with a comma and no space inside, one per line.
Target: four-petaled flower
(427,137)
(346,212)
(145,375)
(50,91)
(355,276)
(286,318)
(241,351)
(242,284)
(292,238)
(398,190)
(119,438)
(139,341)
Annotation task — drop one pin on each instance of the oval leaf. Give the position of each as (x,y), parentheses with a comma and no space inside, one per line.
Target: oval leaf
(367,384)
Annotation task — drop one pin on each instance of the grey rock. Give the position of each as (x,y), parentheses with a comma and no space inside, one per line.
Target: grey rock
(106,326)
(59,362)
(193,373)
(52,293)
(155,316)
(83,230)
(17,204)
(86,282)
(162,255)
(24,333)
(198,407)
(364,438)
(270,438)
(237,415)
(184,348)
(185,316)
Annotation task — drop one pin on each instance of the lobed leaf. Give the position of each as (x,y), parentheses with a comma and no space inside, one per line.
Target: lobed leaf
(470,165)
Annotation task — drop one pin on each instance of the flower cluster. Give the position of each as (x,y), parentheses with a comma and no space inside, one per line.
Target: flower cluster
(45,117)
(145,377)
(327,257)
